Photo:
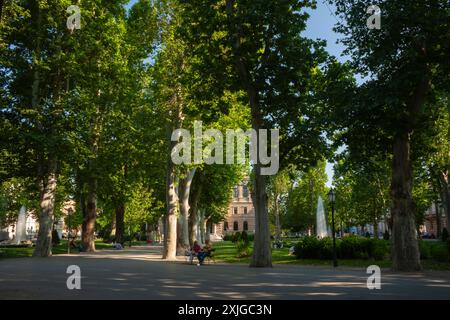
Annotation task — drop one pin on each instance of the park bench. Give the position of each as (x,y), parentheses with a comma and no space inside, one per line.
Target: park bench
(190,256)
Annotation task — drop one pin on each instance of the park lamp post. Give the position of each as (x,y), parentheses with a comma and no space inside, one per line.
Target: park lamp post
(69,213)
(332,200)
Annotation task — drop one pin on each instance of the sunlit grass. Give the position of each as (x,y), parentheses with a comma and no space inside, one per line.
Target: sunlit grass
(226,252)
(61,248)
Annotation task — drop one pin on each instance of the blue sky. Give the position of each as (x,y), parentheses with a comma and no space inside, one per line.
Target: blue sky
(320,26)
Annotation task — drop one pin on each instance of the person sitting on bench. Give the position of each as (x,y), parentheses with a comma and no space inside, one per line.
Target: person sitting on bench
(198,252)
(208,249)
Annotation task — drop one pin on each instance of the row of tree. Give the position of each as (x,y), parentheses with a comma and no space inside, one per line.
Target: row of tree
(90,113)
(85,115)
(395,125)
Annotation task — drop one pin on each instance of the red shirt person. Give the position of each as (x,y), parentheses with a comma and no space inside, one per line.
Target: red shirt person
(196,248)
(198,252)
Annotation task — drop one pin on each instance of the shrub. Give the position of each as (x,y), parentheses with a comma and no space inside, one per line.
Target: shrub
(307,248)
(244,236)
(425,250)
(23,245)
(104,233)
(287,244)
(362,255)
(326,248)
(355,247)
(445,235)
(236,237)
(351,247)
(380,249)
(126,238)
(228,237)
(386,235)
(439,253)
(243,248)
(55,238)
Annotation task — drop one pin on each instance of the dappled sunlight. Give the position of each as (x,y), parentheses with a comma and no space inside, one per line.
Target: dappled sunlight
(322,294)
(337,284)
(140,274)
(436,281)
(179,287)
(438,285)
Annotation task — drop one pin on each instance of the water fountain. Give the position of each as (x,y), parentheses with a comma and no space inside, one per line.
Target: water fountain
(321,224)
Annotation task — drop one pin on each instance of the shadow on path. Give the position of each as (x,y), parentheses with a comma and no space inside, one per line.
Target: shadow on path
(140,273)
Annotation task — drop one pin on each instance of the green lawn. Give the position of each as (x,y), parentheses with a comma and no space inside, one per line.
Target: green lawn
(227,252)
(13,252)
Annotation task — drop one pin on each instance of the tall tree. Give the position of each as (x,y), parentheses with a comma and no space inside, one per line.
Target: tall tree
(302,200)
(363,191)
(100,51)
(36,93)
(278,187)
(407,61)
(255,47)
(170,67)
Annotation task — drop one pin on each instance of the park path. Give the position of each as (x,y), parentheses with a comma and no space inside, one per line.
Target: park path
(139,273)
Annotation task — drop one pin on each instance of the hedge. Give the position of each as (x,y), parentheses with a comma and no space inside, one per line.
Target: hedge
(356,247)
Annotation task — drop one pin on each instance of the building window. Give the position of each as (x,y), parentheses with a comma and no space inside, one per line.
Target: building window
(225,226)
(235,226)
(245,226)
(236,192)
(235,210)
(245,191)
(245,210)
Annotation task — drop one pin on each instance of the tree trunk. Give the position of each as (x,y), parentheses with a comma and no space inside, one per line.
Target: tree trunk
(277,218)
(47,204)
(193,226)
(193,216)
(262,255)
(163,225)
(120,226)
(438,221)
(170,236)
(445,194)
(88,226)
(312,202)
(183,227)
(113,228)
(201,227)
(208,230)
(405,251)
(375,228)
